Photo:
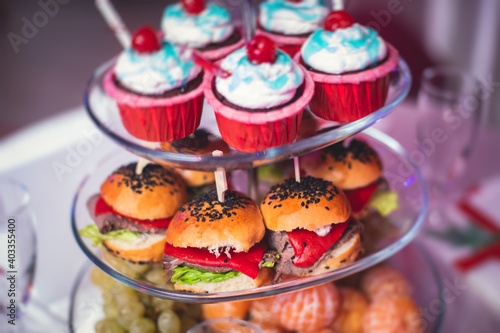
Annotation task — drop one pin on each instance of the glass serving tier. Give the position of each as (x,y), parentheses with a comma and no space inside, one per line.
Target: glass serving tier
(380,242)
(104,112)
(414,262)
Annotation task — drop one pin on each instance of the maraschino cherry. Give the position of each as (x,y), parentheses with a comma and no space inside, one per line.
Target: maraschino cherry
(260,50)
(145,40)
(193,7)
(339,19)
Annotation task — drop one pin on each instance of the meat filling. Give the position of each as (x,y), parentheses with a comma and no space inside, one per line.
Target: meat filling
(109,222)
(284,265)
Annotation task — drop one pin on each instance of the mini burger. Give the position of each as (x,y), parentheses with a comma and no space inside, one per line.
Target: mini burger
(356,168)
(310,227)
(215,246)
(200,142)
(132,212)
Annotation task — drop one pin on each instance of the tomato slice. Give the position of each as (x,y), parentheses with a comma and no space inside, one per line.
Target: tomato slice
(101,207)
(359,197)
(309,247)
(244,262)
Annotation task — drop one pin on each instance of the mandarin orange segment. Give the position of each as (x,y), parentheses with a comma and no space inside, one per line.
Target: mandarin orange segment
(308,309)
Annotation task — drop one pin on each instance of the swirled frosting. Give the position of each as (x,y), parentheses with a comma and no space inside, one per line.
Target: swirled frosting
(292,18)
(213,25)
(343,50)
(157,72)
(259,86)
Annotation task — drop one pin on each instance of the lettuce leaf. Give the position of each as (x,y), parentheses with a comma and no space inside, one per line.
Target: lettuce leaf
(91,231)
(384,202)
(189,275)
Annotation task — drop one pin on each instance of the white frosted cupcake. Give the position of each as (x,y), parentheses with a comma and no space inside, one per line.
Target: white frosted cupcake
(289,23)
(260,104)
(207,28)
(350,65)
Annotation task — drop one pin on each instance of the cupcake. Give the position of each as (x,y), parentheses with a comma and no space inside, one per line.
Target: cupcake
(290,22)
(158,89)
(350,65)
(207,28)
(260,104)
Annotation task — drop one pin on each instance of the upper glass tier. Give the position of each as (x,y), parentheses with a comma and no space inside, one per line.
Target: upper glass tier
(104,112)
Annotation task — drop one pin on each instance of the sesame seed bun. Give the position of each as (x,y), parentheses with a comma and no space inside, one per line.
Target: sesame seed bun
(201,142)
(349,167)
(154,194)
(313,203)
(205,222)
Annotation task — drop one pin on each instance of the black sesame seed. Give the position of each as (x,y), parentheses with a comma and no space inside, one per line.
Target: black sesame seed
(327,267)
(343,260)
(225,260)
(327,208)
(305,244)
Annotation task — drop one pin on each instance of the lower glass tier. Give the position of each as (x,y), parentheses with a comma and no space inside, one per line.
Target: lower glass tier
(382,237)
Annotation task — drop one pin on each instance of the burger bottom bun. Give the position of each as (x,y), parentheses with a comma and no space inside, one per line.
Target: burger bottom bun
(341,256)
(147,249)
(238,283)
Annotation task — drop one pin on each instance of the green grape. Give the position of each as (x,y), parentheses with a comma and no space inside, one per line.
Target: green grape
(129,311)
(156,276)
(108,326)
(142,325)
(120,287)
(110,309)
(139,268)
(125,297)
(145,299)
(107,296)
(187,322)
(101,279)
(168,322)
(120,264)
(162,304)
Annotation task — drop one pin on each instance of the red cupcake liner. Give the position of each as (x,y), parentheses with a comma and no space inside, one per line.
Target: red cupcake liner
(349,97)
(162,123)
(348,102)
(159,119)
(254,137)
(288,44)
(254,131)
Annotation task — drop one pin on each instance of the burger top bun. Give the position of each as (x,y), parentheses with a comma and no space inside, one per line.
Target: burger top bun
(154,194)
(205,222)
(351,167)
(310,204)
(201,142)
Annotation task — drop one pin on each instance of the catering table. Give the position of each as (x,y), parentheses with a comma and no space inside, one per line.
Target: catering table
(52,157)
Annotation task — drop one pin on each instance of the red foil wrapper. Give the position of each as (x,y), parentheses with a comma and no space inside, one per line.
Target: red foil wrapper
(162,123)
(348,102)
(248,137)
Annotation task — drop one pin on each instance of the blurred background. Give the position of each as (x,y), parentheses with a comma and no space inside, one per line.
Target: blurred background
(50,48)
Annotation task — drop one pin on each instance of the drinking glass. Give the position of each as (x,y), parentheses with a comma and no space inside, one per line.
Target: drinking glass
(451,108)
(225,325)
(17,254)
